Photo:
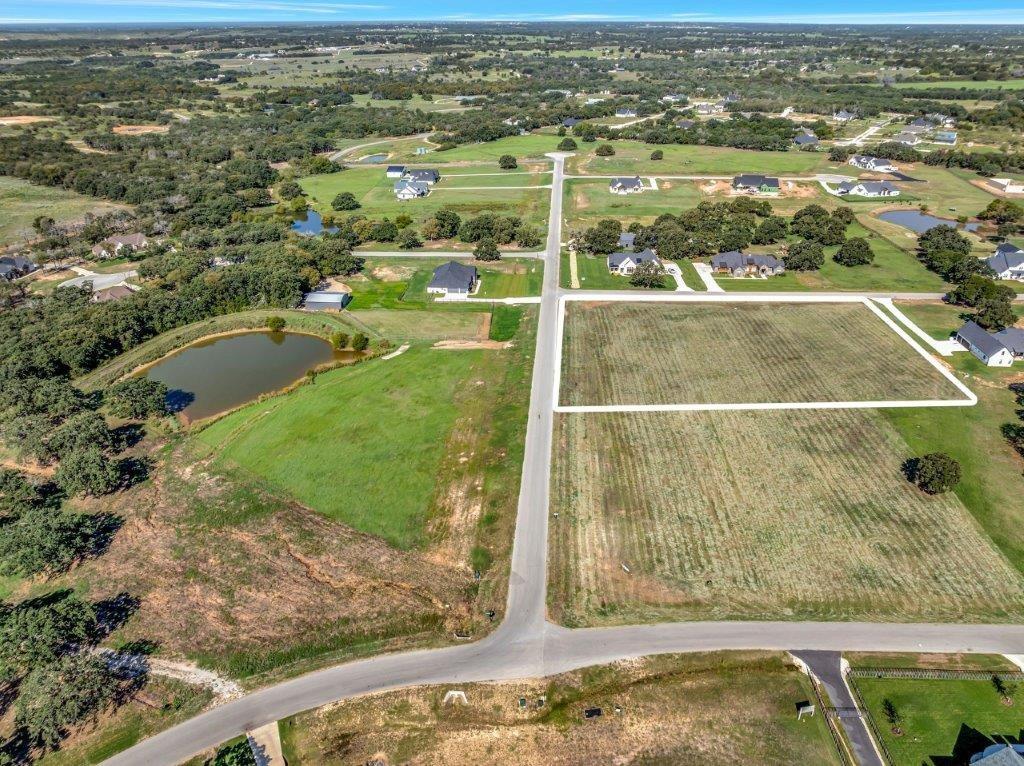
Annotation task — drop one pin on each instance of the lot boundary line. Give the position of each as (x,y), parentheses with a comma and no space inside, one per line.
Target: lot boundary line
(969,400)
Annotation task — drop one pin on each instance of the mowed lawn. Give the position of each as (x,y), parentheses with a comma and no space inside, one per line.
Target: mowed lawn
(361,445)
(762,515)
(375,193)
(632,157)
(22,202)
(588,201)
(941,718)
(706,353)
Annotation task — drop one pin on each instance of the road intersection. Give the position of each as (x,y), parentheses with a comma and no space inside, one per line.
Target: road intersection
(526,645)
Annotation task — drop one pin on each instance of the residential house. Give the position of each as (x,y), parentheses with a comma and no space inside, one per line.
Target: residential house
(406,190)
(740,264)
(625,262)
(756,184)
(920,125)
(395,171)
(15,266)
(844,116)
(626,240)
(995,350)
(114,293)
(938,119)
(112,246)
(708,108)
(947,137)
(868,189)
(874,164)
(625,112)
(428,176)
(326,300)
(908,139)
(732,98)
(1007,185)
(673,98)
(570,122)
(999,754)
(632,185)
(453,278)
(685,124)
(805,139)
(1008,262)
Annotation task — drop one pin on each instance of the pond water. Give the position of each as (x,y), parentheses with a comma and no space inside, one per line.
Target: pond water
(311,223)
(219,374)
(920,222)
(378,158)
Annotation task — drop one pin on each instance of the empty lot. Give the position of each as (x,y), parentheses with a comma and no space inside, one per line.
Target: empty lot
(623,353)
(759,515)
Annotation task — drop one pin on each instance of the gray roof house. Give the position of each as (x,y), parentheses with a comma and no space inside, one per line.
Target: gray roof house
(876,164)
(740,264)
(908,138)
(920,125)
(625,262)
(1008,262)
(626,239)
(685,124)
(626,185)
(805,139)
(749,182)
(625,112)
(868,189)
(113,245)
(395,171)
(569,122)
(325,300)
(14,266)
(427,175)
(453,278)
(991,349)
(843,116)
(406,189)
(999,754)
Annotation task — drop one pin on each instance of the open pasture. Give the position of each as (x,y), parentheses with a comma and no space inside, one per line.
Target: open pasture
(764,515)
(632,157)
(710,353)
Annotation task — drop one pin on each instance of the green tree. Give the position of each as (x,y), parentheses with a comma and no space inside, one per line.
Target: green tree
(943,239)
(55,698)
(804,256)
(507,162)
(936,473)
(657,154)
(603,238)
(486,250)
(567,145)
(448,223)
(42,540)
(892,715)
(289,190)
(408,239)
(854,252)
(605,150)
(236,754)
(771,230)
(87,471)
(38,631)
(995,313)
(527,236)
(17,494)
(275,323)
(137,398)
(345,201)
(360,342)
(1002,211)
(977,288)
(339,340)
(649,274)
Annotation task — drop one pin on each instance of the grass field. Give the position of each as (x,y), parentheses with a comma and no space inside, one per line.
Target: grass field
(708,709)
(586,202)
(374,192)
(594,275)
(963,84)
(764,515)
(943,721)
(632,157)
(22,202)
(679,353)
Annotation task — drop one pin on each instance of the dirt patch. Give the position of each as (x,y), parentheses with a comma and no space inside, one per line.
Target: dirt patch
(798,191)
(396,273)
(84,148)
(465,345)
(139,130)
(25,119)
(717,187)
(580,200)
(280,165)
(336,285)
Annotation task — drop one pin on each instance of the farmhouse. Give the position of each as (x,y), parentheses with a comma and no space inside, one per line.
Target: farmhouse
(626,185)
(673,98)
(395,171)
(625,263)
(740,264)
(112,246)
(325,300)
(874,164)
(995,350)
(756,184)
(453,278)
(406,190)
(1007,185)
(15,266)
(868,189)
(426,176)
(1008,262)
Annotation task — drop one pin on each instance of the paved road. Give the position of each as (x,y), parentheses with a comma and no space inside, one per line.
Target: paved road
(525,645)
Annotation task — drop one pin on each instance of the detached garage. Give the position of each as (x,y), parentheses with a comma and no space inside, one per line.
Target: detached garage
(326,301)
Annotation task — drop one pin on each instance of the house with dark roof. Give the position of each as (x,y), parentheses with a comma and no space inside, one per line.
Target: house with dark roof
(805,139)
(844,116)
(749,183)
(624,263)
(685,124)
(115,293)
(739,264)
(873,164)
(626,240)
(426,175)
(406,189)
(570,122)
(632,185)
(395,171)
(16,266)
(999,349)
(920,125)
(868,189)
(326,300)
(454,279)
(1008,262)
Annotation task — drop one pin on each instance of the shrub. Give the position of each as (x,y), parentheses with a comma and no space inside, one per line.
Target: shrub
(360,342)
(934,473)
(605,150)
(339,340)
(567,145)
(275,323)
(486,250)
(657,154)
(507,162)
(408,239)
(345,201)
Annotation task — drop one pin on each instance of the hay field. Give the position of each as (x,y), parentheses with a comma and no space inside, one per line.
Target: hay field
(699,353)
(759,515)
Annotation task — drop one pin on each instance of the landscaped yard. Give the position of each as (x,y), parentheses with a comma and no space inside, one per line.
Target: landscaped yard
(694,353)
(941,721)
(22,202)
(710,709)
(722,515)
(594,275)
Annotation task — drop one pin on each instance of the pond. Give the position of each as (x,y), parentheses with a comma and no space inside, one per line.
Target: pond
(920,222)
(376,158)
(311,223)
(221,373)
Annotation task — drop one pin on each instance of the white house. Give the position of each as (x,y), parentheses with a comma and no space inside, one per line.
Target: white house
(868,189)
(874,164)
(995,350)
(1007,185)
(625,263)
(112,246)
(908,139)
(625,112)
(395,171)
(626,185)
(406,190)
(843,116)
(1008,262)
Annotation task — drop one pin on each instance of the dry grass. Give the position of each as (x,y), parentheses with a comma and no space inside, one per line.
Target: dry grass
(681,353)
(139,130)
(704,709)
(761,515)
(25,119)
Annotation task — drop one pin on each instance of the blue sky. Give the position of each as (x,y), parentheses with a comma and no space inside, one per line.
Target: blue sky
(796,11)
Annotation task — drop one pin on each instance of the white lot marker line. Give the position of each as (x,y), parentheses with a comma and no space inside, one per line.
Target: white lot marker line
(970,400)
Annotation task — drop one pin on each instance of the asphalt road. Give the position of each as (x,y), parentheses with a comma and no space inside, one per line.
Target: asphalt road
(525,645)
